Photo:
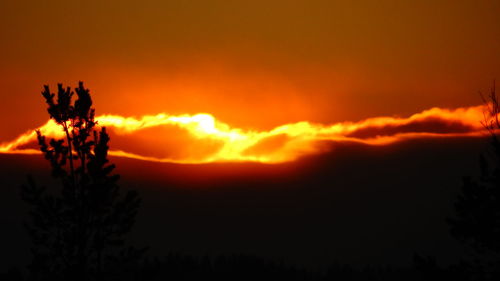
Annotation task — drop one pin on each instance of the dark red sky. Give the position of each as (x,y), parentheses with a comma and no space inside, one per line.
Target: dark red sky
(253,64)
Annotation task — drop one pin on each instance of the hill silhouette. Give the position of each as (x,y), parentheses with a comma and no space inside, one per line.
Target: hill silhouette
(360,205)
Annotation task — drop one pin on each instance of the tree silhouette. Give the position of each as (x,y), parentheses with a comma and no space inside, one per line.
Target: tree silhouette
(477,220)
(78,229)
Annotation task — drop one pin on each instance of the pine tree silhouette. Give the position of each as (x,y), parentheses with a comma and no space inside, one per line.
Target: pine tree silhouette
(477,211)
(78,229)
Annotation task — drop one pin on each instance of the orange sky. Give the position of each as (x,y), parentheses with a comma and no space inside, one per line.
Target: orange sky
(252,64)
(202,138)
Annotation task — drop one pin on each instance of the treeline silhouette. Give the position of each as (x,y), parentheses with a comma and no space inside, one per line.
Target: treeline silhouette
(240,267)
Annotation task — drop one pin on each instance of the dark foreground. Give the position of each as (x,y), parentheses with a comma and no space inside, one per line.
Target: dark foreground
(357,213)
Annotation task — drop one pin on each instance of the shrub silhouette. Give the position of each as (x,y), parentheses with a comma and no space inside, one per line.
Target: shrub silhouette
(78,229)
(477,220)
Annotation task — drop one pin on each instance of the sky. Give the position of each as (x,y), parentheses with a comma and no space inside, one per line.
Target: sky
(369,109)
(252,64)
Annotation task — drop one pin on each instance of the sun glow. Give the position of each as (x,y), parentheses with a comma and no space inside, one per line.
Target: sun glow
(201,138)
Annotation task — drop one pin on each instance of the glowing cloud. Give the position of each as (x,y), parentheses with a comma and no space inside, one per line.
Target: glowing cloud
(201,138)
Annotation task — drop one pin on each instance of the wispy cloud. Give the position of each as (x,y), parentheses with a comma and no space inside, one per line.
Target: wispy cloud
(202,138)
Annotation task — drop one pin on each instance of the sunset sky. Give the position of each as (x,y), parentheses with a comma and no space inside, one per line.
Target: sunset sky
(251,64)
(308,132)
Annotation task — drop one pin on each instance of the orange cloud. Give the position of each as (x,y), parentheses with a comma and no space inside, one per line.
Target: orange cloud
(201,138)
